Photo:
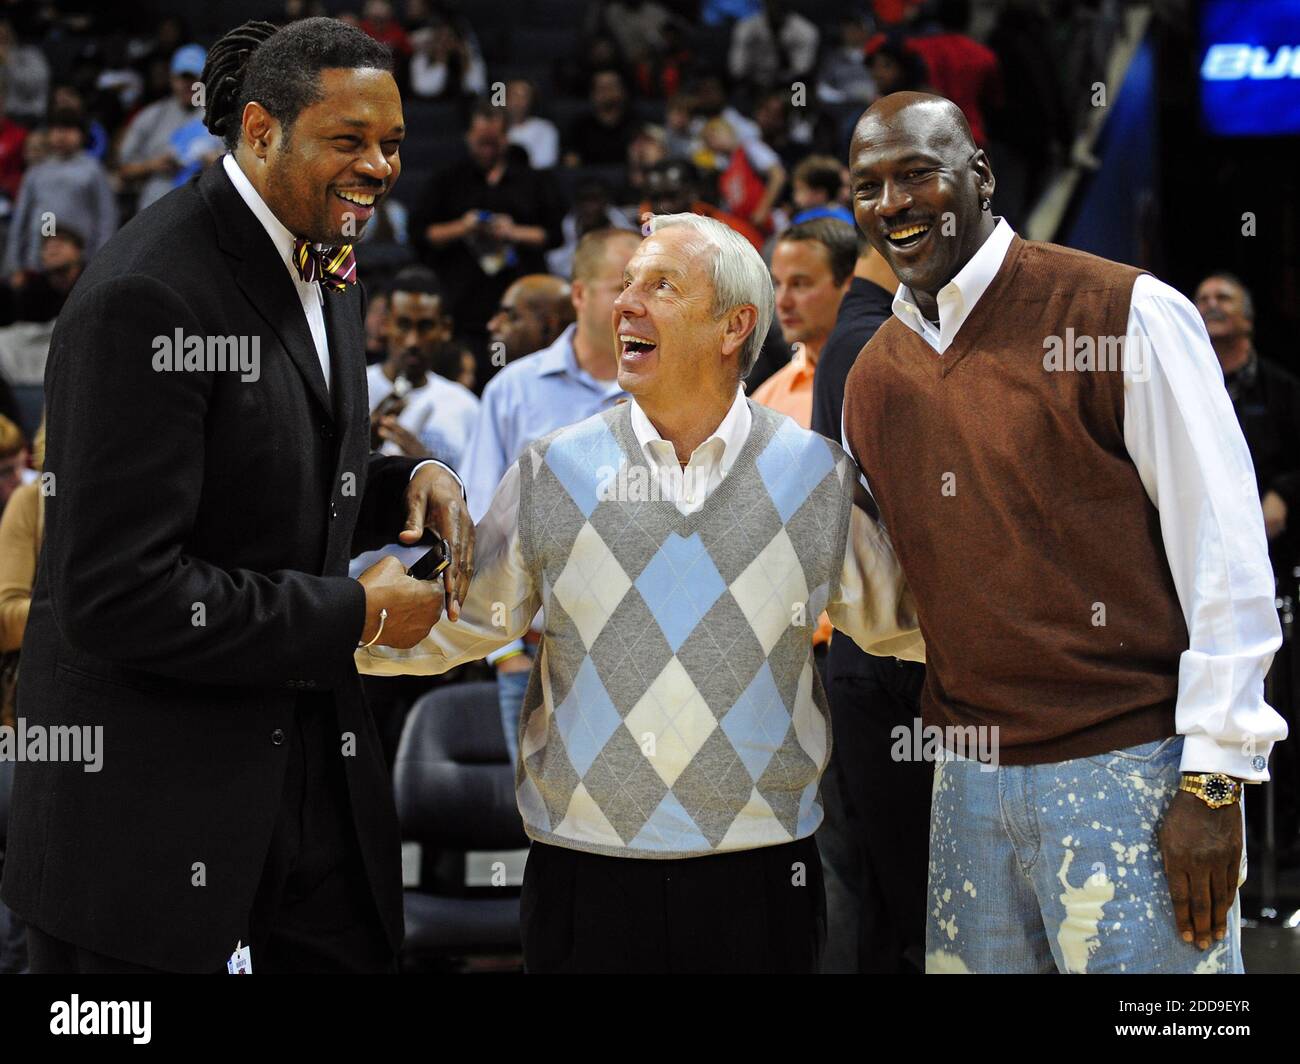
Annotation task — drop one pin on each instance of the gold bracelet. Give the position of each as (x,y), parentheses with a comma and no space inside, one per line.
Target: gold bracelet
(383,616)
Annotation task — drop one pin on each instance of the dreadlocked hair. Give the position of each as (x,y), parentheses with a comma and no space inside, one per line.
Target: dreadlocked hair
(280,69)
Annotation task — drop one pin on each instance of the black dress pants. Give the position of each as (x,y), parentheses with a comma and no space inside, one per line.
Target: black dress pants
(758,910)
(889,803)
(313,910)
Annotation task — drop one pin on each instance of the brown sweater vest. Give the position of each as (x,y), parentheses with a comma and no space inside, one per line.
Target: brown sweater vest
(1029,543)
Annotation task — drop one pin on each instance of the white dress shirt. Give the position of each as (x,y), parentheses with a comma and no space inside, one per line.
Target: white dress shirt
(873,607)
(1183,437)
(309,292)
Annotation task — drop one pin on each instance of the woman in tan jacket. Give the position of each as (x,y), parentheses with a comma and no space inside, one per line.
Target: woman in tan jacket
(21,528)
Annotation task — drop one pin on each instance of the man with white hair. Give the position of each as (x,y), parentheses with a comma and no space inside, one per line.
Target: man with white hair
(683,544)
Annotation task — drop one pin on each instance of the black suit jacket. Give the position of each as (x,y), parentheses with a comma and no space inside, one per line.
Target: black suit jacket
(192,589)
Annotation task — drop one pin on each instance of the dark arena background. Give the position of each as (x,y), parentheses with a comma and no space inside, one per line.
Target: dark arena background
(473,298)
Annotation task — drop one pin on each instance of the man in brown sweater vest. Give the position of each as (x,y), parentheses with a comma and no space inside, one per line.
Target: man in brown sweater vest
(1048,440)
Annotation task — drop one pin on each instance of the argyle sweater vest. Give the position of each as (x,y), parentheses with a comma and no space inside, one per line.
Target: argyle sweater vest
(674,709)
(1026,536)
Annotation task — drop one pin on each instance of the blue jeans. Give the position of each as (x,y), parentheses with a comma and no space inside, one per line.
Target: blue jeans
(511,688)
(1057,868)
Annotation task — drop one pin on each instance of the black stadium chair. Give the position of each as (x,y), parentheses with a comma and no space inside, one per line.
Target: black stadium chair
(455,795)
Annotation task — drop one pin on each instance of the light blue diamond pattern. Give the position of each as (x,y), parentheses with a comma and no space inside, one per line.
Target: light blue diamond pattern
(679,586)
(757,723)
(791,465)
(670,828)
(581,457)
(586,718)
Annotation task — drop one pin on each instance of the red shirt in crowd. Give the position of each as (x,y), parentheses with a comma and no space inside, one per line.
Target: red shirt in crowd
(12,138)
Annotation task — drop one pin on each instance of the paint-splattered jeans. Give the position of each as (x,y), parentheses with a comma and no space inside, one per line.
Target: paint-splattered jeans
(1057,868)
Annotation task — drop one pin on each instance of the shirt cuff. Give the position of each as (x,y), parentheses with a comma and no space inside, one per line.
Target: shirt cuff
(515,647)
(1201,753)
(434,461)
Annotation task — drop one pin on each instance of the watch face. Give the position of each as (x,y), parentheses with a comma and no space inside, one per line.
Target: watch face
(1217,789)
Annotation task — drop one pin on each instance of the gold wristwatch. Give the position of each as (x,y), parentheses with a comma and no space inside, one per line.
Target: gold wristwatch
(1213,788)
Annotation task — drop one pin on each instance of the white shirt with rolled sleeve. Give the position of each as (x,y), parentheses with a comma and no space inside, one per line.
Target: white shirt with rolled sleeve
(1183,438)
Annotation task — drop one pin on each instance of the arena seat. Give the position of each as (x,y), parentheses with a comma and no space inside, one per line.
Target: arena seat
(454,788)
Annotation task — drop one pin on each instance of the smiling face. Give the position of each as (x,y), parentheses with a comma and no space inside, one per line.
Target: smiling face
(670,344)
(1223,307)
(917,182)
(325,180)
(807,297)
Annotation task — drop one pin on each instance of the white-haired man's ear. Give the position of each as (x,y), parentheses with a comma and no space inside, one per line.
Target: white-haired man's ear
(740,323)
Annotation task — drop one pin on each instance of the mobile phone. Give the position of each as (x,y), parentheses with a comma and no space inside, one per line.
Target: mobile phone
(431,565)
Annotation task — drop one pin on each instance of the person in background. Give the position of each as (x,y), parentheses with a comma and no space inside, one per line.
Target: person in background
(569,379)
(26,74)
(600,136)
(376,323)
(537,136)
(14,456)
(147,163)
(591,210)
(69,186)
(485,221)
(435,416)
(784,130)
(958,66)
(648,147)
(20,543)
(819,184)
(446,63)
(843,76)
(13,136)
(1266,399)
(377,21)
(874,839)
(744,188)
(895,67)
(39,295)
(532,314)
(774,47)
(812,267)
(21,528)
(671,188)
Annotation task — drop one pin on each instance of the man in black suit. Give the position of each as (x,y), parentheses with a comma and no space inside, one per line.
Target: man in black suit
(884,805)
(192,596)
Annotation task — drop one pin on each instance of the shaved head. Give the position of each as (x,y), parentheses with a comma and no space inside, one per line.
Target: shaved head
(919,187)
(922,113)
(532,313)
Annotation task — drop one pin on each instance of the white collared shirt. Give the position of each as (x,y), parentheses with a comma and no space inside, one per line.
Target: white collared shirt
(958,297)
(309,292)
(1183,438)
(711,461)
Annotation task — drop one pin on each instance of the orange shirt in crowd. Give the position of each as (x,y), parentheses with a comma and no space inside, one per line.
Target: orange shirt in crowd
(789,390)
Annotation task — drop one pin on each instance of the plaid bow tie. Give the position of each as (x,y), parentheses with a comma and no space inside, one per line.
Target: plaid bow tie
(334,268)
